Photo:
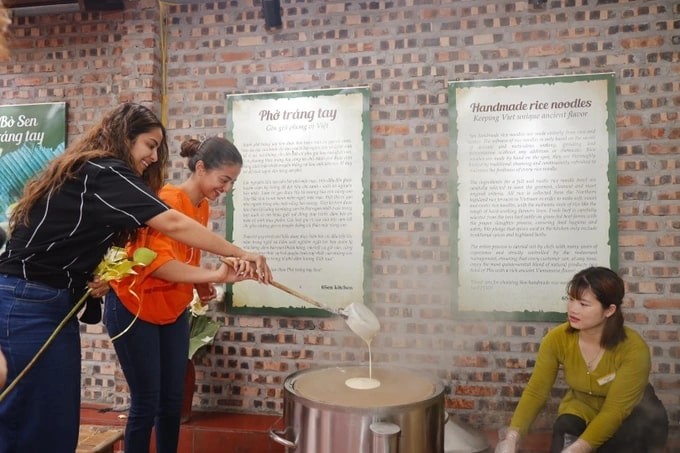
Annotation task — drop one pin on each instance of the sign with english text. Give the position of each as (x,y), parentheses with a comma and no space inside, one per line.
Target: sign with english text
(534,165)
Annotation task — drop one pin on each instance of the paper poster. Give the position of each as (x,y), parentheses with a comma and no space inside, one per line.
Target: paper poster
(302,198)
(535,198)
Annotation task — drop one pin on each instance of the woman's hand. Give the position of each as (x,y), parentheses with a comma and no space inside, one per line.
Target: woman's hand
(580,446)
(98,287)
(3,370)
(242,267)
(262,271)
(233,270)
(508,441)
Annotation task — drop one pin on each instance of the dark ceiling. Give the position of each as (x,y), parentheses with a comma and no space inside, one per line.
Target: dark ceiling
(84,5)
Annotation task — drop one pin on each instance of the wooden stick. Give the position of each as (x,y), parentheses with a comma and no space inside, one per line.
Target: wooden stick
(292,292)
(309,300)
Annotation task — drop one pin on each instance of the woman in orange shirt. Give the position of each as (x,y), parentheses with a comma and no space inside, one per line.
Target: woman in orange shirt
(153,352)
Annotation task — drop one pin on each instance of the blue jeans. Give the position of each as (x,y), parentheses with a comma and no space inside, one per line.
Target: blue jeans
(42,413)
(154,359)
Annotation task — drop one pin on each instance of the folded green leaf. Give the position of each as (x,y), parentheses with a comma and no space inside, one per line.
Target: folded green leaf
(144,256)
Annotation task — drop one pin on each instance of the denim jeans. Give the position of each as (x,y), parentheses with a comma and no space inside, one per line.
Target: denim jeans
(154,359)
(42,413)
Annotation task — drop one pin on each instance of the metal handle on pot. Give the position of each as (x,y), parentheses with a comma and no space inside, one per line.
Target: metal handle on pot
(280,438)
(385,437)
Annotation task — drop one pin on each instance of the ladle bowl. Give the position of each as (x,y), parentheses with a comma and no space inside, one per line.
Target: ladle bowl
(362,321)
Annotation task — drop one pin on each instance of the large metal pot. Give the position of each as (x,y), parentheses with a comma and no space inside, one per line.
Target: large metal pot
(321,414)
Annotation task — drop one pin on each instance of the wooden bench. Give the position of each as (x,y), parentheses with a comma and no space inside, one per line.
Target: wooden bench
(98,439)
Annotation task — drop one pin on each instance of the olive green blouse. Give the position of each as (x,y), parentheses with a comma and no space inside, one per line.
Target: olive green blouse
(603,397)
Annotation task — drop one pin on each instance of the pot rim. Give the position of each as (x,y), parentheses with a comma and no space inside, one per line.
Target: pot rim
(290,392)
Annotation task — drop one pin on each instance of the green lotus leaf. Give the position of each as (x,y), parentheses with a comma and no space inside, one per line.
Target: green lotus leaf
(203,331)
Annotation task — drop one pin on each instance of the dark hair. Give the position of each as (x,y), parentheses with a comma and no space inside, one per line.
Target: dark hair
(215,152)
(113,136)
(609,289)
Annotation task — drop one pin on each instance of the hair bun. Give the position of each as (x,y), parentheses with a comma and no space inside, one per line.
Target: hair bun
(189,147)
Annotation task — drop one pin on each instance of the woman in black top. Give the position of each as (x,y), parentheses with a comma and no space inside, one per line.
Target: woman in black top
(97,193)
(4,53)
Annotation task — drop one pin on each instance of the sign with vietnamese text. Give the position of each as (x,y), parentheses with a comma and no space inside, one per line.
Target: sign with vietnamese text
(302,198)
(30,136)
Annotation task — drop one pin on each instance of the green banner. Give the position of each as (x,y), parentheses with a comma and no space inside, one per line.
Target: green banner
(30,136)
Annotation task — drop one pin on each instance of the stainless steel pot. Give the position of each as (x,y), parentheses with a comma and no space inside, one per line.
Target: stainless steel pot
(321,414)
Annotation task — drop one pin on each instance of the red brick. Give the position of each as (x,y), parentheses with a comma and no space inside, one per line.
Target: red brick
(393,129)
(290,65)
(663,304)
(236,56)
(459,403)
(636,43)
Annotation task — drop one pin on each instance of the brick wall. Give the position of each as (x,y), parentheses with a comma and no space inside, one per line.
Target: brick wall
(405,51)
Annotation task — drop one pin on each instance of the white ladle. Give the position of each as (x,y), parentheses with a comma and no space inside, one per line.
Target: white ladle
(358,317)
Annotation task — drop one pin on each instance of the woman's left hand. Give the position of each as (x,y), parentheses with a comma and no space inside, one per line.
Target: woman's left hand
(234,270)
(243,268)
(98,287)
(262,271)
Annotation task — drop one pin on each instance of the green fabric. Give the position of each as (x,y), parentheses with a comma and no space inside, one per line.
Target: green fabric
(603,405)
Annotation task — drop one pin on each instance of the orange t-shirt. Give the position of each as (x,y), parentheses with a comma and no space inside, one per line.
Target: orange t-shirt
(162,302)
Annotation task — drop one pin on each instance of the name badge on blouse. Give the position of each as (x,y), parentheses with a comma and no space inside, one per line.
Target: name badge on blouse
(606,379)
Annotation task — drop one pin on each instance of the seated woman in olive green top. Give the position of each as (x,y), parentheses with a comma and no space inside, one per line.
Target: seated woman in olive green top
(609,405)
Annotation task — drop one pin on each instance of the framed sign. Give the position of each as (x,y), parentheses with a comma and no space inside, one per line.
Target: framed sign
(535,198)
(302,198)
(30,136)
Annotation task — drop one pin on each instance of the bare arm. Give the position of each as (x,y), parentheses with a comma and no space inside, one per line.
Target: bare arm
(184,229)
(178,272)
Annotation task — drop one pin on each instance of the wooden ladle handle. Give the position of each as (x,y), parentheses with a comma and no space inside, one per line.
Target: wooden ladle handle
(292,292)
